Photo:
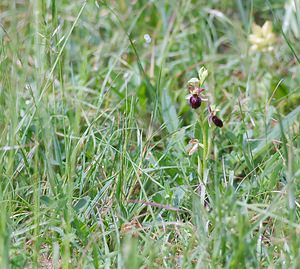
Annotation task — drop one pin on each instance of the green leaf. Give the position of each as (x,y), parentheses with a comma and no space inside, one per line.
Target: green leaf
(169,112)
(46,200)
(81,203)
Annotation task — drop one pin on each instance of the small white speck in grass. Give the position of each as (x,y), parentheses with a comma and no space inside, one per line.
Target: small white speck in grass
(126,75)
(147,38)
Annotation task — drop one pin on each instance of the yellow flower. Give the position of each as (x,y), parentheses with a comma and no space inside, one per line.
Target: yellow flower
(262,38)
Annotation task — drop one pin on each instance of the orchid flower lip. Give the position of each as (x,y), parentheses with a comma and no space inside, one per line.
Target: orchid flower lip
(195,101)
(218,122)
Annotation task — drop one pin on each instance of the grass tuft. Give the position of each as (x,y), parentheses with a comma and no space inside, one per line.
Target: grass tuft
(95,128)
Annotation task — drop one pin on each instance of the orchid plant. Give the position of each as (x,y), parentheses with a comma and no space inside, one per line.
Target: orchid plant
(196,96)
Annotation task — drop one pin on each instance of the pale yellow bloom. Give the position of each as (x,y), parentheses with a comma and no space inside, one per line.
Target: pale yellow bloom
(262,38)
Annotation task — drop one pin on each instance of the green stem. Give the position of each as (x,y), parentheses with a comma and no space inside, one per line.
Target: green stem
(203,170)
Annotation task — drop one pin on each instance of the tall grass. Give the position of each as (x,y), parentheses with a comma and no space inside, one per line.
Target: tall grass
(94,128)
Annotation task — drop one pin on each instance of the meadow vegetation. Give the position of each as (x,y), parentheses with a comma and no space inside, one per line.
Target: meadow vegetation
(95,164)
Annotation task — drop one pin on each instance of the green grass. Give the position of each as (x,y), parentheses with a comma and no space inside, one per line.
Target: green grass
(95,126)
